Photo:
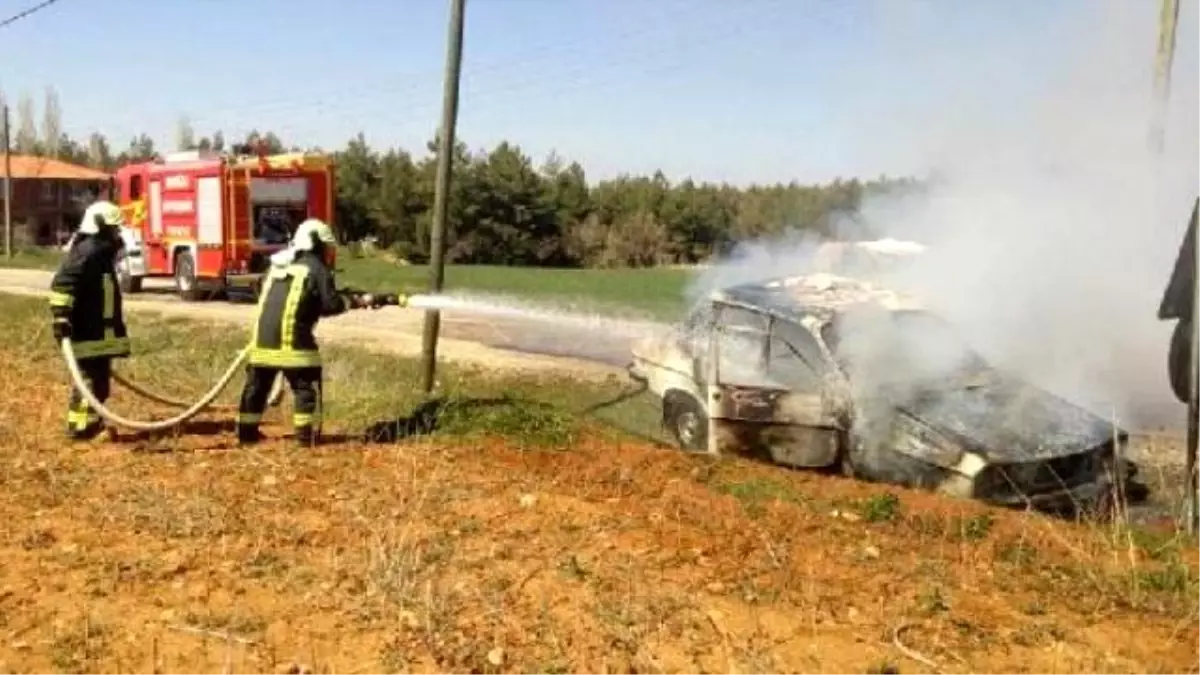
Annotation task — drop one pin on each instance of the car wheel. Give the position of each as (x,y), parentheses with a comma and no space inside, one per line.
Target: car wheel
(185,276)
(687,422)
(126,281)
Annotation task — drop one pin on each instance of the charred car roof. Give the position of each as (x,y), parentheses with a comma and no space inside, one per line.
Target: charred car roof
(818,295)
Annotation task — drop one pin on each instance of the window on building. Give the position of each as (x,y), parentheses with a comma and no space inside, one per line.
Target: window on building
(49,191)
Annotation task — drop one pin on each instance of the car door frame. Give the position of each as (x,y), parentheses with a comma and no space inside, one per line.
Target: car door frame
(794,428)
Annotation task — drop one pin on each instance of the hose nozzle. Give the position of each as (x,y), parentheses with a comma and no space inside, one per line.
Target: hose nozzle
(364,300)
(391,300)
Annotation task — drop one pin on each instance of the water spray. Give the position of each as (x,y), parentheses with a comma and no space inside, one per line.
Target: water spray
(506,308)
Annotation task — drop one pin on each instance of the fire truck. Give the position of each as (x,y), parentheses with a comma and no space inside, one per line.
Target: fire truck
(211,221)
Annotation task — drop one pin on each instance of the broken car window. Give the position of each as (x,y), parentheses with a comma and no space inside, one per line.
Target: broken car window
(795,359)
(741,346)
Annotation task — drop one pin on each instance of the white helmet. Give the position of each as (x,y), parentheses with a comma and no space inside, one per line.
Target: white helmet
(101,212)
(309,232)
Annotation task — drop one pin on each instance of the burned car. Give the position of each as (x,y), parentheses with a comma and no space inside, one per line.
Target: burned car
(828,372)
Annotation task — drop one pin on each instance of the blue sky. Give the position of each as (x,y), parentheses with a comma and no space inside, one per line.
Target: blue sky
(737,90)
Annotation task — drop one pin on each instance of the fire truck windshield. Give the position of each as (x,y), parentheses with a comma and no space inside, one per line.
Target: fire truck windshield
(274,224)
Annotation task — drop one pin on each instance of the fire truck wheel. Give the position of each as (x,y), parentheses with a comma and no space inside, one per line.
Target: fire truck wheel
(185,276)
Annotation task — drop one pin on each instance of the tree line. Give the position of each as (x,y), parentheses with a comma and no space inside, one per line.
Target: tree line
(508,209)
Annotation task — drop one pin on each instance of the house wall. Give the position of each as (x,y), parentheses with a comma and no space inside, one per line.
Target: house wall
(46,211)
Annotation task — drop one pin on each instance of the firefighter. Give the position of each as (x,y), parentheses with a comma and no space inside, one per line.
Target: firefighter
(85,303)
(298,289)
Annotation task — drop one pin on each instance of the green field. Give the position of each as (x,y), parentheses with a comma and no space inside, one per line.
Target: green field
(32,258)
(654,292)
(657,293)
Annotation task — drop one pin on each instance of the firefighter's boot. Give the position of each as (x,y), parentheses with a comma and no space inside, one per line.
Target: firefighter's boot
(307,436)
(88,432)
(247,428)
(248,434)
(82,423)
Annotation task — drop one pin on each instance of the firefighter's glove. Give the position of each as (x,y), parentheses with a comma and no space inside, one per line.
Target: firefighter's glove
(360,300)
(62,328)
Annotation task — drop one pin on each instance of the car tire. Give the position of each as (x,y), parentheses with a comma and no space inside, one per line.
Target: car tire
(687,422)
(185,276)
(126,281)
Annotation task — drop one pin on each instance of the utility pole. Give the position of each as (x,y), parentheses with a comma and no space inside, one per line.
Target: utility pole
(8,246)
(1168,22)
(1193,427)
(441,199)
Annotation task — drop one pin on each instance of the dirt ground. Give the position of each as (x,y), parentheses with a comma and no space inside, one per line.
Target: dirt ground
(486,556)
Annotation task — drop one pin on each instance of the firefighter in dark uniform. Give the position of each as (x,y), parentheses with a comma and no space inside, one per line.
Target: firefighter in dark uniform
(86,306)
(298,290)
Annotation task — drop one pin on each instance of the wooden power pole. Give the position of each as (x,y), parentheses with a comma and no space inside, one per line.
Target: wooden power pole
(1168,22)
(8,245)
(441,199)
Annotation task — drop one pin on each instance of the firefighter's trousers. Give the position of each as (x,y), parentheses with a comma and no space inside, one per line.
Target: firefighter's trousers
(306,401)
(82,421)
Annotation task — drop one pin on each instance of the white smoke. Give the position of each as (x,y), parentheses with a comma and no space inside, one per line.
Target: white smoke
(1051,225)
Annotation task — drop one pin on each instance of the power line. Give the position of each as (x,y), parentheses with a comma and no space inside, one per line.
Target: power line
(662,57)
(27,12)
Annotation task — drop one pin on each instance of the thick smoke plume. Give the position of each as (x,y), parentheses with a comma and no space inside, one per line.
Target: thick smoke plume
(1051,224)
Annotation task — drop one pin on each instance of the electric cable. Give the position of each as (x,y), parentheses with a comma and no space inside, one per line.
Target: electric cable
(24,13)
(320,106)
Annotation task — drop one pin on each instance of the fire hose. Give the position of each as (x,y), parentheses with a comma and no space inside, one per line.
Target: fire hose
(191,409)
(272,400)
(68,352)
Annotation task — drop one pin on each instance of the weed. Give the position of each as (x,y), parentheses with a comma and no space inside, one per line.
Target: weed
(880,508)
(234,623)
(1172,577)
(755,494)
(1018,553)
(527,422)
(1159,545)
(931,600)
(574,568)
(976,527)
(76,648)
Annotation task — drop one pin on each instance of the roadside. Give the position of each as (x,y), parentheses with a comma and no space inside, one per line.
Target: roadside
(493,343)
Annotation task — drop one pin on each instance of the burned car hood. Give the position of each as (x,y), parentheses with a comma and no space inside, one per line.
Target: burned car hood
(1006,419)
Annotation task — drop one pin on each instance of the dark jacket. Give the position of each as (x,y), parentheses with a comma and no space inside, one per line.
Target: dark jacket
(84,289)
(293,299)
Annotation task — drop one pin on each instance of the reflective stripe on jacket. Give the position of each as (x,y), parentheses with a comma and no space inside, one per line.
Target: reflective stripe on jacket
(84,290)
(293,299)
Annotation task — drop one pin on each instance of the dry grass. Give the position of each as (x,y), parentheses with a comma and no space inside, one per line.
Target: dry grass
(581,550)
